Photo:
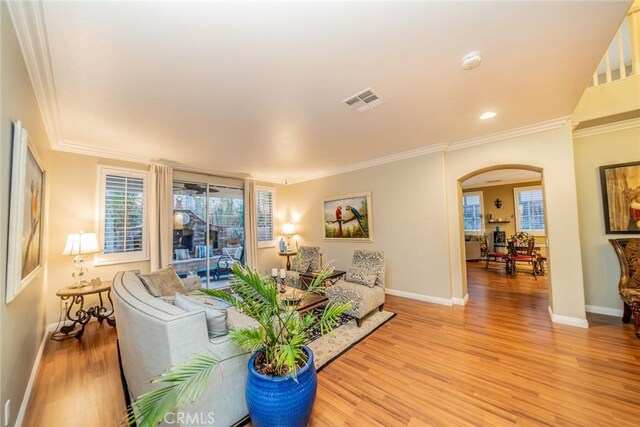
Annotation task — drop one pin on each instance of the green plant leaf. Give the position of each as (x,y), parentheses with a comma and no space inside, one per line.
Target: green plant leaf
(185,383)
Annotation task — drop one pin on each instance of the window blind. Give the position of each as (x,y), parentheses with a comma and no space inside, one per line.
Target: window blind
(265,215)
(124,214)
(530,210)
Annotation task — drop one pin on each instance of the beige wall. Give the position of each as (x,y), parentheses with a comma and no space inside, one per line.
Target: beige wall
(409,218)
(506,211)
(74,206)
(600,265)
(22,323)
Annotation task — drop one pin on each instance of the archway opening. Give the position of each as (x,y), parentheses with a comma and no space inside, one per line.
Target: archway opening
(504,231)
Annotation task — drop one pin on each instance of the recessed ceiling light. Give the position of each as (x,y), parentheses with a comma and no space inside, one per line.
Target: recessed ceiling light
(488,115)
(471,60)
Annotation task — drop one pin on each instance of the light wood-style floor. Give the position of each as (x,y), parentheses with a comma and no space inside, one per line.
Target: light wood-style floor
(497,361)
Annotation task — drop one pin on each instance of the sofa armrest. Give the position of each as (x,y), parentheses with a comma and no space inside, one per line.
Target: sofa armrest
(237,320)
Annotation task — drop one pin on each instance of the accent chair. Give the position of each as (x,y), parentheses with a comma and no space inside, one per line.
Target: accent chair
(628,252)
(363,285)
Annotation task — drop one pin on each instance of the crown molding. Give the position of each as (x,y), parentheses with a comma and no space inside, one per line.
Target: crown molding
(105,153)
(434,148)
(607,128)
(512,133)
(29,24)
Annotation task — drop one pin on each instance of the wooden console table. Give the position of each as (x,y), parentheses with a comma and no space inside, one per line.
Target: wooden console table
(72,297)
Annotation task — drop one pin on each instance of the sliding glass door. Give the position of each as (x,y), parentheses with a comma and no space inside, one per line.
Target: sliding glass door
(208,230)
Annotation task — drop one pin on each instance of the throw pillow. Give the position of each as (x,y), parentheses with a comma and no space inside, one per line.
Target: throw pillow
(216,317)
(163,283)
(300,265)
(361,276)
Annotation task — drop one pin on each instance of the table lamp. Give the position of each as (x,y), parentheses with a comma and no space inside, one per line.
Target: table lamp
(78,245)
(288,230)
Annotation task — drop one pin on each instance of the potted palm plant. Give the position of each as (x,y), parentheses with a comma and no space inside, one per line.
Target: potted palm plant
(281,369)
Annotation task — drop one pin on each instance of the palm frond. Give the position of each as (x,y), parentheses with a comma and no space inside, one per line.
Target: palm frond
(331,315)
(250,339)
(185,383)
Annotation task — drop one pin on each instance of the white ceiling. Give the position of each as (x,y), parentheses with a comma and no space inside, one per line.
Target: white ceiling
(501,177)
(256,88)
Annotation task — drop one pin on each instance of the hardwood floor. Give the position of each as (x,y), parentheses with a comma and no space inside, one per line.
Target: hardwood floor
(497,361)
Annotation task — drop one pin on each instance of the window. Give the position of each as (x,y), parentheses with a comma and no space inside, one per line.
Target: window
(123,227)
(529,210)
(472,212)
(265,205)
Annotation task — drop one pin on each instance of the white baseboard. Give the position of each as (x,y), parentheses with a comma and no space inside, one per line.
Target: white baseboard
(32,379)
(566,320)
(419,297)
(460,301)
(617,312)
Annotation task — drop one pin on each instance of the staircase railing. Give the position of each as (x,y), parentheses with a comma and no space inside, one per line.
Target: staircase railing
(622,58)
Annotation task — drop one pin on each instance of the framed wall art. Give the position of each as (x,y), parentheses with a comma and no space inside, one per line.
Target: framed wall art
(621,197)
(348,218)
(24,257)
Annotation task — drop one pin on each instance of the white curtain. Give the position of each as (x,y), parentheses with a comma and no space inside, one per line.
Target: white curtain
(250,224)
(161,216)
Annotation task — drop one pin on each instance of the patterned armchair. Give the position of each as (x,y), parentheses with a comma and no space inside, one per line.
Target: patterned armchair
(309,258)
(628,252)
(363,285)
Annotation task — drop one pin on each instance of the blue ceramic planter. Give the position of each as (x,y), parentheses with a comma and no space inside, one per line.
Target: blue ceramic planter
(281,401)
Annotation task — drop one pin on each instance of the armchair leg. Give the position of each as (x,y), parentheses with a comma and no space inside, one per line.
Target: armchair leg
(626,316)
(636,319)
(359,322)
(381,307)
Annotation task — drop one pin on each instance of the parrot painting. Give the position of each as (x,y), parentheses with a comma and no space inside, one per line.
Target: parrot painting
(359,217)
(339,220)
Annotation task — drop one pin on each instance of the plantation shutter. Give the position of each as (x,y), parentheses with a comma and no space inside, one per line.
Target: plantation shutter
(124,214)
(471,212)
(265,215)
(531,210)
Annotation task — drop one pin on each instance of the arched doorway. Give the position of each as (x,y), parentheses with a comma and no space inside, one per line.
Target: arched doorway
(498,204)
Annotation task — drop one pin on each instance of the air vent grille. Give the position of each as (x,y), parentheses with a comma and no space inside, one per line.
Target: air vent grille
(364,101)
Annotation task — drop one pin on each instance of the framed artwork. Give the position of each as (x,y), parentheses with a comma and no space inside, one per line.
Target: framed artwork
(348,218)
(25,214)
(621,197)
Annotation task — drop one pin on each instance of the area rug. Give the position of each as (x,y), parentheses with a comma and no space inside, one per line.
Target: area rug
(329,347)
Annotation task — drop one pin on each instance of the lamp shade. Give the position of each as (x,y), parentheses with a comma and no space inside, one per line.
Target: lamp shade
(288,229)
(81,243)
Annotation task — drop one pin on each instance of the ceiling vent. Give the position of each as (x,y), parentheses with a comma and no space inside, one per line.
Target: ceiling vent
(364,101)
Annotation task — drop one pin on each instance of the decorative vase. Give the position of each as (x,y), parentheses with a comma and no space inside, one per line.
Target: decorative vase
(282,245)
(281,401)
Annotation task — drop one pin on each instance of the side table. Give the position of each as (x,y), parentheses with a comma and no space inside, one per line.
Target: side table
(72,297)
(288,254)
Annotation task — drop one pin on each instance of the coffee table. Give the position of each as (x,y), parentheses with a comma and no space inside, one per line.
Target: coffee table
(293,295)
(307,278)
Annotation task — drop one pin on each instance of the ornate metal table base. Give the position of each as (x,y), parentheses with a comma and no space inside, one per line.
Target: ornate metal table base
(79,316)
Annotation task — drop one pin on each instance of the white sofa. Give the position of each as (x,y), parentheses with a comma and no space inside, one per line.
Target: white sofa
(154,335)
(472,248)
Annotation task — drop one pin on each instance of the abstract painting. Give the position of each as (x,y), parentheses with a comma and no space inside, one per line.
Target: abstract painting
(621,197)
(348,218)
(25,214)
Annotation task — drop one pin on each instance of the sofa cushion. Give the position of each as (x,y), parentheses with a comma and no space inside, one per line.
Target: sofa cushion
(362,276)
(163,283)
(216,317)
